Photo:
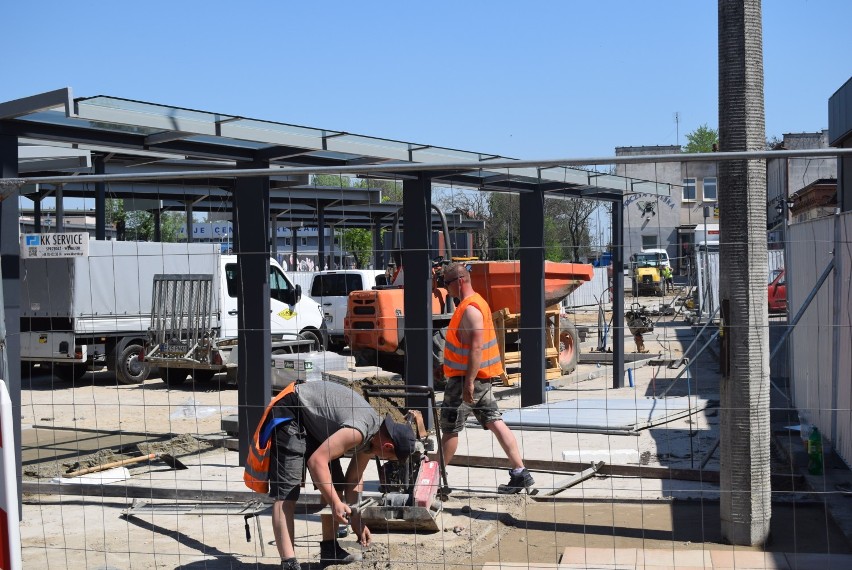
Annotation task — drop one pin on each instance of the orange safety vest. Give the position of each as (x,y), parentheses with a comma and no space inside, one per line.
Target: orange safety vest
(256,475)
(456,353)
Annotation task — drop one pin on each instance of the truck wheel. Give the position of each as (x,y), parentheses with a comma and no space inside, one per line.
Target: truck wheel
(174,376)
(569,346)
(128,368)
(312,335)
(70,372)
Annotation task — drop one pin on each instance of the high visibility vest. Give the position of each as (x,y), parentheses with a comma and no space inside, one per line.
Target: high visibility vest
(456,354)
(256,475)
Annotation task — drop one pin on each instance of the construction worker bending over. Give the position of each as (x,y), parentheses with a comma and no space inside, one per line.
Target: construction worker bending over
(471,363)
(320,421)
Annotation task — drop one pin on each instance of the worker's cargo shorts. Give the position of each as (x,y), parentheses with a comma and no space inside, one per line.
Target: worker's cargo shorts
(290,446)
(454,410)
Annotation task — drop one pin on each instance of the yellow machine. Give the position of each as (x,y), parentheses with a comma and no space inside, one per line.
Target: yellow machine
(646,272)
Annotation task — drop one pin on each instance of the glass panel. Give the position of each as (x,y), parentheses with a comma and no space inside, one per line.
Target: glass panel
(689,188)
(710,192)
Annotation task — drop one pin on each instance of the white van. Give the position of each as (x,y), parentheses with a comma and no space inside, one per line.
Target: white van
(331,289)
(291,313)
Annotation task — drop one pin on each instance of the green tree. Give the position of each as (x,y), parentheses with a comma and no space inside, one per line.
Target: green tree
(702,139)
(138,225)
(358,242)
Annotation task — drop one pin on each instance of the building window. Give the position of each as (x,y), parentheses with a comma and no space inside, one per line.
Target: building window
(689,189)
(304,241)
(710,193)
(286,241)
(649,242)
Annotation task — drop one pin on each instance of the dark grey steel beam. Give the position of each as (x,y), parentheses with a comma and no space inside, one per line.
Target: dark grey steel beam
(251,240)
(100,199)
(532,298)
(36,103)
(618,294)
(273,153)
(321,236)
(378,252)
(416,210)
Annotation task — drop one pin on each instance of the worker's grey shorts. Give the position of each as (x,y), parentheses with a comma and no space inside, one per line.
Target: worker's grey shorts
(454,411)
(287,461)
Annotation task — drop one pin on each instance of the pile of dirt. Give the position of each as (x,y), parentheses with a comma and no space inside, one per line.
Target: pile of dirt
(180,446)
(383,406)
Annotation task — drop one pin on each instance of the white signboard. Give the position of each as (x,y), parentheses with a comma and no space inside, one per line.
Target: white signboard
(54,245)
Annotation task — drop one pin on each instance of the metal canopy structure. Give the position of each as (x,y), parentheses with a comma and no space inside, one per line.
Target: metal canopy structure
(260,171)
(137,136)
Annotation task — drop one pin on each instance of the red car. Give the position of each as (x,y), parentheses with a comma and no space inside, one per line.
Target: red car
(778,294)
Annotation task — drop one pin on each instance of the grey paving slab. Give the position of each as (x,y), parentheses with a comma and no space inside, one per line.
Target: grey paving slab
(603,415)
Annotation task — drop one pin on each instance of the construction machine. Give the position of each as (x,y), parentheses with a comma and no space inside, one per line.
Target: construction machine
(646,273)
(375,323)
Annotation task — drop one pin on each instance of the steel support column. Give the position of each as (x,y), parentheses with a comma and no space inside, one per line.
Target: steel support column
(100,199)
(532,330)
(273,234)
(189,221)
(251,242)
(59,209)
(10,251)
(293,238)
(378,252)
(321,238)
(618,294)
(417,216)
(158,224)
(37,211)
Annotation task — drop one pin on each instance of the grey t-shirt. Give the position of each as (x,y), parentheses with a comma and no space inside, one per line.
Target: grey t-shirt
(328,407)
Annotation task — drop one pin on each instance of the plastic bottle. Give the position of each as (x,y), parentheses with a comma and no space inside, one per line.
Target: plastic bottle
(815,452)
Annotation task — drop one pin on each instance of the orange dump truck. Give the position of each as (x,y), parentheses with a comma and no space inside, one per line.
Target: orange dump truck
(375,323)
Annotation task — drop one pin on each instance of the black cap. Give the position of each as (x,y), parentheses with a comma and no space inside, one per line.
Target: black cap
(402,437)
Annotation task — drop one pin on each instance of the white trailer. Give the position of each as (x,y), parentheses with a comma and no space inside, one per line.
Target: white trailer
(193,329)
(81,310)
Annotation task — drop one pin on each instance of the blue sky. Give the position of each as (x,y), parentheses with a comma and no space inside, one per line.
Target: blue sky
(527,80)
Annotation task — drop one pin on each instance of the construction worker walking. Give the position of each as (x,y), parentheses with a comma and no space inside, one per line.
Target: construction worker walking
(471,363)
(667,278)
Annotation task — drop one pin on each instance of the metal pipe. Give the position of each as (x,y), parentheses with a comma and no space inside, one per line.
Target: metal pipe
(451,166)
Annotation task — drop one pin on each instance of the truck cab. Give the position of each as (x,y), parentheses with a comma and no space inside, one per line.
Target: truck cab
(291,312)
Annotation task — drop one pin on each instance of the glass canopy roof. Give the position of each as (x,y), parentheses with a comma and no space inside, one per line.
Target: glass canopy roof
(125,126)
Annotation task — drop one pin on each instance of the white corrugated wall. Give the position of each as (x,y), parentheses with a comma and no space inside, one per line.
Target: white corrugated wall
(589,293)
(820,373)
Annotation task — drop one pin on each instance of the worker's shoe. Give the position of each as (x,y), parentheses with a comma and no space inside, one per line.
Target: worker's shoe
(517,483)
(332,553)
(290,564)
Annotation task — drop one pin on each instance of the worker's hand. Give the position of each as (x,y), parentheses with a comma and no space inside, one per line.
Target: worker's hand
(467,393)
(364,537)
(342,512)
